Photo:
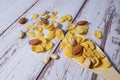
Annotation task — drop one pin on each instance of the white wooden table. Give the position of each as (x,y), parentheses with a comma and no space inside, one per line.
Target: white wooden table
(18,62)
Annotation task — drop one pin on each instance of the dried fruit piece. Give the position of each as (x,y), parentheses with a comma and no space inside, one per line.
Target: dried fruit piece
(96,62)
(91,44)
(62,19)
(77,50)
(21,34)
(34,42)
(53,17)
(22,20)
(54,12)
(80,23)
(34,16)
(98,34)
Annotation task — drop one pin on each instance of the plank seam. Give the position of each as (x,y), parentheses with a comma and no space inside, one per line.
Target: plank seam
(45,66)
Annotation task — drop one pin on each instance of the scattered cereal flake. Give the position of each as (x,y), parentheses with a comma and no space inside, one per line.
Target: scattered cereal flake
(81,59)
(53,17)
(38,28)
(31,34)
(63,44)
(50,35)
(68,51)
(62,19)
(59,34)
(68,17)
(39,35)
(37,48)
(38,23)
(29,27)
(48,45)
(49,27)
(70,26)
(34,16)
(98,34)
(54,12)
(105,63)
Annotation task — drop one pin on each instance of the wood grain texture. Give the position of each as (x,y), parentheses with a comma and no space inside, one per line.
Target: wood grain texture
(17,62)
(11,10)
(100,15)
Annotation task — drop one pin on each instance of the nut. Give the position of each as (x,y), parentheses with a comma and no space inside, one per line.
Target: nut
(21,34)
(80,23)
(22,20)
(44,21)
(54,56)
(34,42)
(43,13)
(47,59)
(72,41)
(77,50)
(88,62)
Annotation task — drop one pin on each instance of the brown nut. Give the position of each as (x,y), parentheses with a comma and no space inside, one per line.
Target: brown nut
(34,42)
(77,50)
(80,23)
(22,20)
(44,21)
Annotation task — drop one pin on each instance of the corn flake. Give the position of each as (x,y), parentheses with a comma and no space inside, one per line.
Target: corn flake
(70,26)
(37,48)
(50,35)
(31,34)
(34,16)
(98,34)
(59,34)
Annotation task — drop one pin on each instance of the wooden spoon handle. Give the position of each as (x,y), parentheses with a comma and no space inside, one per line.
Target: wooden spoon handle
(107,73)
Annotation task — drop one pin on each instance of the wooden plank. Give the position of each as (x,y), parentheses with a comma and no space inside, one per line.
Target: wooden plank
(97,13)
(113,38)
(16,59)
(11,10)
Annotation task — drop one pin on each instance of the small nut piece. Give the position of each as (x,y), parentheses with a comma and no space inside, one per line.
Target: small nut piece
(47,59)
(34,42)
(54,56)
(44,21)
(22,20)
(77,50)
(88,62)
(72,41)
(80,23)
(21,34)
(43,13)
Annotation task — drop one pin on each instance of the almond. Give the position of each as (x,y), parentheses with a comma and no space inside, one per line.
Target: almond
(22,20)
(77,50)
(34,42)
(44,21)
(80,23)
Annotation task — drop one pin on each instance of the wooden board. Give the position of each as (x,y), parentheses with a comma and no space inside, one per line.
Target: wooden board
(17,60)
(98,14)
